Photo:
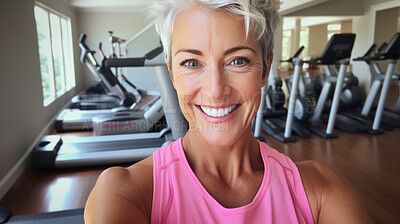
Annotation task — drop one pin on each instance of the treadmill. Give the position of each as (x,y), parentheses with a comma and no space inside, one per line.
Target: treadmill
(74,216)
(75,119)
(95,101)
(57,152)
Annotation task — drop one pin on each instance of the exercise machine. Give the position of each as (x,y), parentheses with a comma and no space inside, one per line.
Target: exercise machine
(60,217)
(82,120)
(55,152)
(273,121)
(350,116)
(111,96)
(391,53)
(351,99)
(337,51)
(308,91)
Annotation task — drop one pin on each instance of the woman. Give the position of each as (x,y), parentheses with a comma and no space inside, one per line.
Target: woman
(219,54)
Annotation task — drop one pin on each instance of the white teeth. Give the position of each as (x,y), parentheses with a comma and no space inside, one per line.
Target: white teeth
(214,113)
(221,112)
(207,110)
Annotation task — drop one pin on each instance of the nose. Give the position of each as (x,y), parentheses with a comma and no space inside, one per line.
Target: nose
(217,83)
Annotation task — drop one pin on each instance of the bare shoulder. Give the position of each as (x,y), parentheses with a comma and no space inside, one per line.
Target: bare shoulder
(331,197)
(122,195)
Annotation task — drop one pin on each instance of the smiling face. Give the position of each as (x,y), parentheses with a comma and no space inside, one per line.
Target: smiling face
(217,74)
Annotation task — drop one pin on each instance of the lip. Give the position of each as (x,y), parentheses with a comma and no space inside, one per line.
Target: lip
(218,119)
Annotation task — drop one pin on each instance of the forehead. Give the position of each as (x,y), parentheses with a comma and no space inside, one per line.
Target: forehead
(197,28)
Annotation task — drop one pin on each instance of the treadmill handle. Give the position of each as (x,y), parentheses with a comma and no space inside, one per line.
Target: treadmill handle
(125,62)
(134,62)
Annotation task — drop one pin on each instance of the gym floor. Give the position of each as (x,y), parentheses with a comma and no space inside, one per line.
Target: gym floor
(369,162)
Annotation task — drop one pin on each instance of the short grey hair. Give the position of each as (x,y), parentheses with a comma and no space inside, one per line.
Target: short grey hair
(260,17)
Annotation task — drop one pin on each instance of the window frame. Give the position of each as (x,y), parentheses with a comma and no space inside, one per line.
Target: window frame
(67,68)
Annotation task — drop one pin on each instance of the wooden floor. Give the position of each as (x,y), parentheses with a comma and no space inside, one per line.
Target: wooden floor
(370,163)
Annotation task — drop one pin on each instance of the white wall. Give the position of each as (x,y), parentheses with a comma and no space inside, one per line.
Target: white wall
(317,40)
(22,114)
(364,27)
(333,8)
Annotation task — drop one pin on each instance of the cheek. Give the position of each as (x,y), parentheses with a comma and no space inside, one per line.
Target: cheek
(187,88)
(249,87)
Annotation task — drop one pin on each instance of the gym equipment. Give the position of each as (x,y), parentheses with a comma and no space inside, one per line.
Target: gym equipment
(257,122)
(75,119)
(273,121)
(54,152)
(350,119)
(109,84)
(115,41)
(351,98)
(91,101)
(397,105)
(305,101)
(337,51)
(60,217)
(391,53)
(127,122)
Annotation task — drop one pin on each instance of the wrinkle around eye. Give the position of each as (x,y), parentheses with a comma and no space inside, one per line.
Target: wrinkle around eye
(253,66)
(244,60)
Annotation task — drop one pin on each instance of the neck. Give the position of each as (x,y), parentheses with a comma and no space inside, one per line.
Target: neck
(227,162)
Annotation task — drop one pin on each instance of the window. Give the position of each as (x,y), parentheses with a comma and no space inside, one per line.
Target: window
(304,41)
(332,29)
(286,44)
(55,52)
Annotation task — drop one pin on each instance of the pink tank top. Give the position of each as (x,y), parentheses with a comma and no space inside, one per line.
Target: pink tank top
(179,197)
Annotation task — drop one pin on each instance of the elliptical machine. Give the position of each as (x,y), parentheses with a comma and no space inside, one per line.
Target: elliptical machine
(274,114)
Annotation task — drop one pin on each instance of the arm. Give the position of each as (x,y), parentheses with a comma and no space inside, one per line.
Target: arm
(121,195)
(332,198)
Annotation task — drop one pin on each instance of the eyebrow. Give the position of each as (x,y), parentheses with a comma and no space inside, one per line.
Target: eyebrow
(192,51)
(229,51)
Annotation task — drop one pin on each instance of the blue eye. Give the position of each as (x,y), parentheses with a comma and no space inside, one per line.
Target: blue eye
(240,62)
(190,64)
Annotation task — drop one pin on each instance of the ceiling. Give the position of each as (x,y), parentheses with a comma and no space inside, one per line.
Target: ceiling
(107,5)
(288,6)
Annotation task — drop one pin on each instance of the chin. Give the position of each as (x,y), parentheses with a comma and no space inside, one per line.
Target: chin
(221,136)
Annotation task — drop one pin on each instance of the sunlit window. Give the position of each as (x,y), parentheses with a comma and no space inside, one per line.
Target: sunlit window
(333,29)
(55,51)
(286,44)
(304,41)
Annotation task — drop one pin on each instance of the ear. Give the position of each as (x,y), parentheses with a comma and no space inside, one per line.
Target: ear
(266,75)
